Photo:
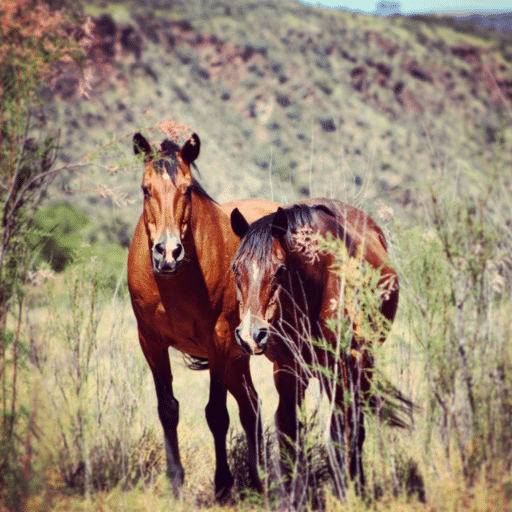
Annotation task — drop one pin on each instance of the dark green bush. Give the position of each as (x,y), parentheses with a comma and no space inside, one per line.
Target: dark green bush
(58,232)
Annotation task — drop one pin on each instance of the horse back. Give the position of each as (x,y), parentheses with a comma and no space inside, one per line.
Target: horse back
(251,209)
(358,229)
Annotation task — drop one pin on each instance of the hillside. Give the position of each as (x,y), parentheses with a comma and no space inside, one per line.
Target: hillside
(495,20)
(288,100)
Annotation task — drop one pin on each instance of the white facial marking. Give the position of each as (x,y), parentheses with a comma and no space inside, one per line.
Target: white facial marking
(255,270)
(165,176)
(245,332)
(171,243)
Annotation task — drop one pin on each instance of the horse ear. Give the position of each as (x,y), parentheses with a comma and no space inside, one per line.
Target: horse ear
(141,145)
(279,224)
(190,150)
(238,223)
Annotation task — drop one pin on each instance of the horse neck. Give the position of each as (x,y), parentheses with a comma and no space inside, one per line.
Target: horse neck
(306,293)
(214,242)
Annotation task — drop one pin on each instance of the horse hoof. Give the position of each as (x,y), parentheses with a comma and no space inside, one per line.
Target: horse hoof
(176,479)
(224,496)
(223,489)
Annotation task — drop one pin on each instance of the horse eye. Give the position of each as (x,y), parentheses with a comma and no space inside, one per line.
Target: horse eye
(146,191)
(281,272)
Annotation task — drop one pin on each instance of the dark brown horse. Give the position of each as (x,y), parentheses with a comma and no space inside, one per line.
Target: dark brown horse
(183,296)
(289,288)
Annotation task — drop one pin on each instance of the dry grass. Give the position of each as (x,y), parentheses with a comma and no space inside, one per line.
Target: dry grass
(117,408)
(89,432)
(92,440)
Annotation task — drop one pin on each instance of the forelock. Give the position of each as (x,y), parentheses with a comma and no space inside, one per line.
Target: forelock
(258,243)
(168,163)
(256,246)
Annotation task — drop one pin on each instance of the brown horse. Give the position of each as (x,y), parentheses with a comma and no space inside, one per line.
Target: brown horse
(289,290)
(183,296)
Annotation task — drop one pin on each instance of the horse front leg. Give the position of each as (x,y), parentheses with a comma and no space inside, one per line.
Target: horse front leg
(338,447)
(242,388)
(217,418)
(157,356)
(217,415)
(291,386)
(347,425)
(360,370)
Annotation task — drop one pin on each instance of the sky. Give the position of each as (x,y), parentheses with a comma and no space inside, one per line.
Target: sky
(415,6)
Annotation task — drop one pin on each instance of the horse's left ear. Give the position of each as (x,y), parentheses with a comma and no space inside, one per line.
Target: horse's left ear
(238,223)
(279,224)
(190,150)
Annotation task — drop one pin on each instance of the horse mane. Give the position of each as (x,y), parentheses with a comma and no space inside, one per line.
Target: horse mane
(258,242)
(169,163)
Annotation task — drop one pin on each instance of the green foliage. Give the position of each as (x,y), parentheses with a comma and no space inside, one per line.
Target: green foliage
(29,56)
(113,259)
(57,234)
(454,275)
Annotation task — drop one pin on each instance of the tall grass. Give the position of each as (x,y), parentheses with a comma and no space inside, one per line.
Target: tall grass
(449,349)
(90,434)
(457,270)
(84,385)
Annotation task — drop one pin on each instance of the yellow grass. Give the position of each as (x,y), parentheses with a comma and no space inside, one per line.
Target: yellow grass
(120,389)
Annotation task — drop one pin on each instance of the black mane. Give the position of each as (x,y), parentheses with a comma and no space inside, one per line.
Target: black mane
(258,242)
(169,163)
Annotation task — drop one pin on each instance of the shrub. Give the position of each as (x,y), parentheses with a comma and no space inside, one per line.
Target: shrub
(456,307)
(57,233)
(37,43)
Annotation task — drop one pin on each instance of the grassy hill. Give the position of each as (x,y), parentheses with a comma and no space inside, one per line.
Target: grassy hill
(288,100)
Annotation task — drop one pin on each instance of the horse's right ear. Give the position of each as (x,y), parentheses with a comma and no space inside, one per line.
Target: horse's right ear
(190,150)
(238,223)
(279,224)
(141,145)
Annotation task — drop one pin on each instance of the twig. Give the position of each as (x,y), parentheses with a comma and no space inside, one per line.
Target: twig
(17,172)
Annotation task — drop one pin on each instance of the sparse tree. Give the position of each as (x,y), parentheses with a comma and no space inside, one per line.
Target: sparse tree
(37,44)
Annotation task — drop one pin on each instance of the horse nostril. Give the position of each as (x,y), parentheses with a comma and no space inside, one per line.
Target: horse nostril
(159,249)
(176,252)
(261,337)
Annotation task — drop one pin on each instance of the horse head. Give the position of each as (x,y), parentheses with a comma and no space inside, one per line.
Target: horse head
(167,185)
(261,277)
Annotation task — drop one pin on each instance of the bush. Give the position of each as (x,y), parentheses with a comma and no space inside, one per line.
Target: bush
(456,273)
(91,383)
(29,58)
(57,234)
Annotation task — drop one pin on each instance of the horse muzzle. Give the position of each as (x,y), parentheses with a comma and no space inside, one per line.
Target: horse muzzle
(167,255)
(253,339)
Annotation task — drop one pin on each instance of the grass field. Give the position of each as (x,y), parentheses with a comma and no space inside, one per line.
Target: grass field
(88,426)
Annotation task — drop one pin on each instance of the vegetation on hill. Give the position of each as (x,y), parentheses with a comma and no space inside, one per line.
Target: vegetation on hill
(290,100)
